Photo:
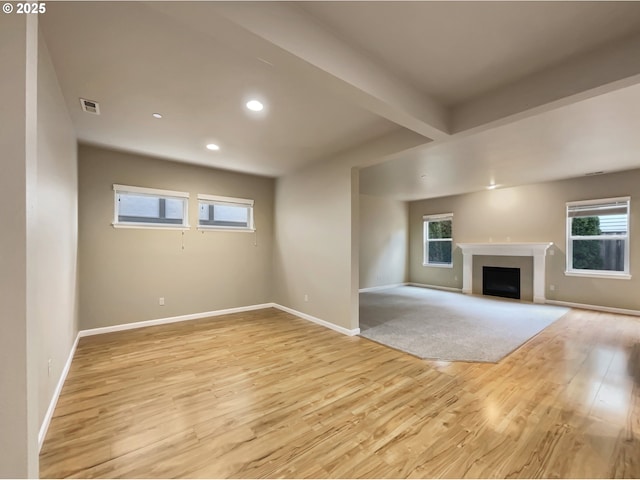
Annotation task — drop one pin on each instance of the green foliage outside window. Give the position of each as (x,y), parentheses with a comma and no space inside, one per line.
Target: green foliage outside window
(439,251)
(586,253)
(440,229)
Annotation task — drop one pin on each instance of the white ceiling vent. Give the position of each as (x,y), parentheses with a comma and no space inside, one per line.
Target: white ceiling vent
(90,106)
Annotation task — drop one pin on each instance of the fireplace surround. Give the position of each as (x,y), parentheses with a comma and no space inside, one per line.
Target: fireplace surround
(536,250)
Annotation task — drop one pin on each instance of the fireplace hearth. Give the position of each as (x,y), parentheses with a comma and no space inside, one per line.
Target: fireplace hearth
(501,282)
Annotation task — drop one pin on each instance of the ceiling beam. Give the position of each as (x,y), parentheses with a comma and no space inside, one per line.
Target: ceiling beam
(342,66)
(608,68)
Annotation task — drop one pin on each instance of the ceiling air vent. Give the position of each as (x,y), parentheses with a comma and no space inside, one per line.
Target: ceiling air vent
(90,106)
(591,174)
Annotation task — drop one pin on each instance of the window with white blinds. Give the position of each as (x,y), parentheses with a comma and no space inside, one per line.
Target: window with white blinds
(225,213)
(598,237)
(141,207)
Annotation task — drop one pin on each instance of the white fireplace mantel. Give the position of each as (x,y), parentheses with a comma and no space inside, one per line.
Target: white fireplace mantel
(536,250)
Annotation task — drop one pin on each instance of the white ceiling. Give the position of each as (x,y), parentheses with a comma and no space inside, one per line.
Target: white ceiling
(515,92)
(456,51)
(598,134)
(135,61)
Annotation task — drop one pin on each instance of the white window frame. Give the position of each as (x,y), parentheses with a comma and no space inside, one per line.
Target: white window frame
(229,201)
(570,271)
(151,192)
(425,239)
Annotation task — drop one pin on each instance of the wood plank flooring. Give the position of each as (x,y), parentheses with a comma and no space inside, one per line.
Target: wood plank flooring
(265,394)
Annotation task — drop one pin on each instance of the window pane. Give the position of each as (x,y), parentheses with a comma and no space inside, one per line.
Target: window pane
(607,255)
(600,225)
(203,212)
(174,208)
(227,213)
(237,216)
(439,252)
(134,208)
(441,229)
(614,224)
(138,206)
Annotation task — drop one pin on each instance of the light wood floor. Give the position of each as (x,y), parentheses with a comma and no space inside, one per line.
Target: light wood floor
(264,394)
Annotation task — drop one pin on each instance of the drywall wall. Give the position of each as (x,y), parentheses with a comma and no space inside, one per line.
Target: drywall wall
(18,217)
(317,231)
(124,272)
(384,227)
(312,259)
(56,233)
(532,213)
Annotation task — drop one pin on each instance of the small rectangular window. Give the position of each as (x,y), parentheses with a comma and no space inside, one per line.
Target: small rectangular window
(225,213)
(598,237)
(438,240)
(150,208)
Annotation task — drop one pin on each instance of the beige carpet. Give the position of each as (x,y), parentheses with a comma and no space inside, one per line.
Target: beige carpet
(451,326)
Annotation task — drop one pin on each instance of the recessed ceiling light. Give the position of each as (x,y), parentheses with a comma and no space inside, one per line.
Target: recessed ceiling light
(491,187)
(255,105)
(213,146)
(157,115)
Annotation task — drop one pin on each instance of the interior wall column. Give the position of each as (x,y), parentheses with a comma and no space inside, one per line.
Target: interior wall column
(18,183)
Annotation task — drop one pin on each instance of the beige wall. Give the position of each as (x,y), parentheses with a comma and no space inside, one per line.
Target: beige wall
(313,243)
(317,231)
(384,226)
(57,231)
(124,272)
(532,213)
(18,268)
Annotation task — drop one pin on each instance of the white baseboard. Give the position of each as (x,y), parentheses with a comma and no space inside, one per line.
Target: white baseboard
(56,394)
(215,313)
(179,318)
(585,306)
(319,321)
(437,287)
(382,287)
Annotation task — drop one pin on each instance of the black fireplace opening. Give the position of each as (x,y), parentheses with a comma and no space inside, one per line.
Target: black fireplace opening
(501,282)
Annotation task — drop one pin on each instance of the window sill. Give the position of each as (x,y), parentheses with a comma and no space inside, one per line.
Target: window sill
(151,226)
(226,229)
(438,265)
(608,275)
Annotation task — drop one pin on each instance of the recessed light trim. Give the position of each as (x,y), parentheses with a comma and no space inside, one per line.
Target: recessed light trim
(213,147)
(255,105)
(156,115)
(493,186)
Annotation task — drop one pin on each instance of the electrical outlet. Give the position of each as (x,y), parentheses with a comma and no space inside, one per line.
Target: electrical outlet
(552,288)
(49,365)
(306,297)
(552,251)
(455,278)
(161,301)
